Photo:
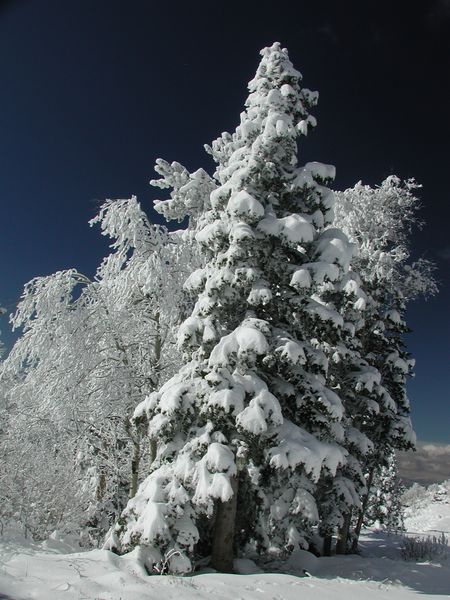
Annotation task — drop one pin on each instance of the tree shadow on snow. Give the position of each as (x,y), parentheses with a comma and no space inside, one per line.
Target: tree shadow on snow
(380,561)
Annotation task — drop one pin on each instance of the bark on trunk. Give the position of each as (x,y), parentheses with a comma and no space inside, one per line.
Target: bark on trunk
(101,487)
(158,348)
(152,450)
(223,537)
(135,460)
(136,456)
(362,513)
(341,544)
(327,540)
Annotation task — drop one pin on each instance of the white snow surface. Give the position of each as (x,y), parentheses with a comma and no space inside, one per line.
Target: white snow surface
(294,228)
(57,570)
(297,446)
(243,204)
(431,515)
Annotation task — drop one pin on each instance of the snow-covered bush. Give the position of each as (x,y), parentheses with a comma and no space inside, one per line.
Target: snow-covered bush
(415,496)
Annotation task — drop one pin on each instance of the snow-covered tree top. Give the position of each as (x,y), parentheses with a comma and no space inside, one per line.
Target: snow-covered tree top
(277,112)
(277,108)
(276,71)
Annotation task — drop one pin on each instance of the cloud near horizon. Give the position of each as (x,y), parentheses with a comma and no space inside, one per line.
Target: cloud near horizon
(429,464)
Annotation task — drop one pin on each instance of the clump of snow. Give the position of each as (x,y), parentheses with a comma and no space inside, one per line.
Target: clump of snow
(230,400)
(294,229)
(298,447)
(243,204)
(302,561)
(301,279)
(263,408)
(245,340)
(322,271)
(334,247)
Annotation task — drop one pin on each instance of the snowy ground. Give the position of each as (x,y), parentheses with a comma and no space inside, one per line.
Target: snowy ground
(52,571)
(431,518)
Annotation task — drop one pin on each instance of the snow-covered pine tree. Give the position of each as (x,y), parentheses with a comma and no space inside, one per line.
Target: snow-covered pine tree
(380,220)
(364,395)
(385,505)
(249,420)
(339,496)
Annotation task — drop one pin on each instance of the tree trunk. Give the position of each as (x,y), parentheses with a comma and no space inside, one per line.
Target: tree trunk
(341,544)
(327,540)
(222,546)
(136,455)
(101,487)
(135,460)
(362,512)
(152,450)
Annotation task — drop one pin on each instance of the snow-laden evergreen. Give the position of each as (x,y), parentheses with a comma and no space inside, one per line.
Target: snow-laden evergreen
(380,220)
(251,417)
(385,506)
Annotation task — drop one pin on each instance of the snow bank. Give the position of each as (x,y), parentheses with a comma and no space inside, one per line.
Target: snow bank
(26,572)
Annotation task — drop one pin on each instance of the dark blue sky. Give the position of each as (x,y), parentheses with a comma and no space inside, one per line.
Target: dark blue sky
(92,92)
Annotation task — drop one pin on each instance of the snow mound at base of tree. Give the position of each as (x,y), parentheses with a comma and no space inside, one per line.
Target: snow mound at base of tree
(28,572)
(245,566)
(302,561)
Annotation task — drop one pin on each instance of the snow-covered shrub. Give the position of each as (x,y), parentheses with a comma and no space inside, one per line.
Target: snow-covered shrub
(440,492)
(421,549)
(415,496)
(380,221)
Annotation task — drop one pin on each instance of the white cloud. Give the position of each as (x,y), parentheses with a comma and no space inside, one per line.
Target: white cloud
(429,464)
